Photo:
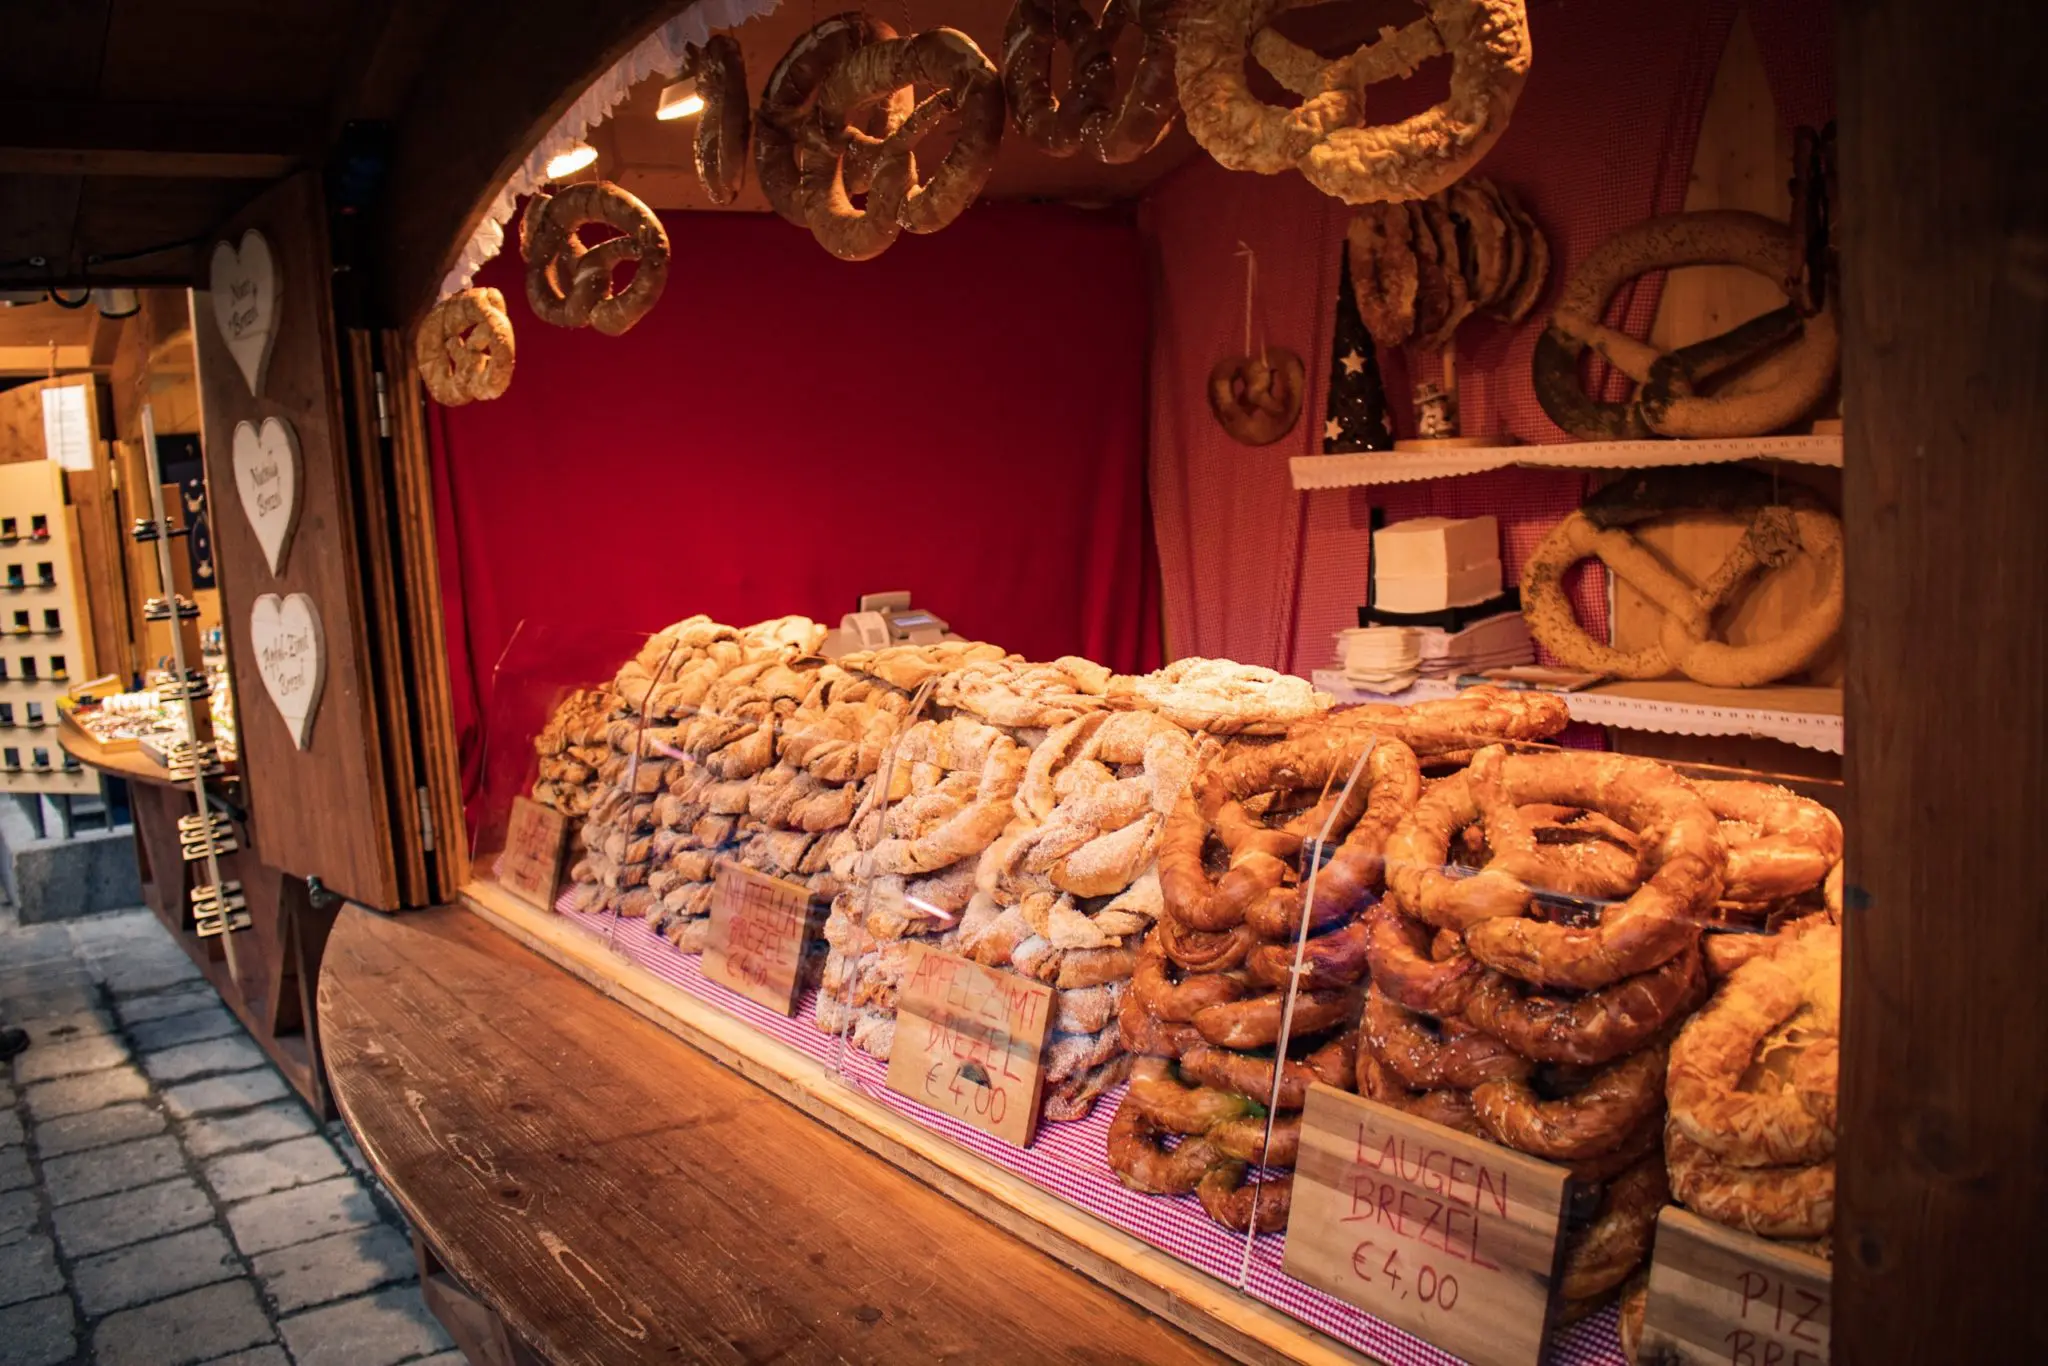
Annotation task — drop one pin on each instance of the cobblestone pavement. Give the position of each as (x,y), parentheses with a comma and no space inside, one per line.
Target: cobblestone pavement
(164,1197)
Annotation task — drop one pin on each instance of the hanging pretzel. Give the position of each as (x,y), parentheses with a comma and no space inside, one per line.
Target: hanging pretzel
(787,103)
(464,348)
(569,284)
(1326,136)
(721,74)
(1668,401)
(1780,530)
(964,83)
(1257,399)
(1087,114)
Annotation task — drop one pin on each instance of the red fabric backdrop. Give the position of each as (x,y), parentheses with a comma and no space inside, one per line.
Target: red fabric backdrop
(963,417)
(1603,136)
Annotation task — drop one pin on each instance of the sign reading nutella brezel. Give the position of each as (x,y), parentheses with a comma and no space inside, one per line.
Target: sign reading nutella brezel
(1447,1236)
(760,926)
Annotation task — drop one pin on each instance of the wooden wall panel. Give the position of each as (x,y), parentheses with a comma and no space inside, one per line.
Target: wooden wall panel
(321,812)
(1939,1239)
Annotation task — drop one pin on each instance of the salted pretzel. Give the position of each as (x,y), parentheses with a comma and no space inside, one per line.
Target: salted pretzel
(1257,399)
(721,150)
(569,284)
(1326,137)
(1655,923)
(789,100)
(1784,525)
(464,349)
(1586,1028)
(1592,1119)
(1601,1255)
(1087,114)
(1669,398)
(964,84)
(1779,843)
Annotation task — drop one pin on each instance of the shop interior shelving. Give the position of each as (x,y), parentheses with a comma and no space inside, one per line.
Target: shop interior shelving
(1809,716)
(1401,467)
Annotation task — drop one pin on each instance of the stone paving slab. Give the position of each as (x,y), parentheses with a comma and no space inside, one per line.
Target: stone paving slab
(235,1091)
(80,1024)
(330,1268)
(211,1134)
(189,1027)
(75,1095)
(37,1333)
(235,1053)
(18,1214)
(299,1162)
(117,1220)
(102,1171)
(138,1009)
(272,1355)
(150,1271)
(301,1215)
(14,1169)
(11,1131)
(189,1328)
(96,1129)
(45,1061)
(382,1329)
(28,1269)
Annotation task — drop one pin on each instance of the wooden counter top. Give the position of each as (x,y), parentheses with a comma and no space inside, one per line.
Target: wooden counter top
(617,1196)
(131,764)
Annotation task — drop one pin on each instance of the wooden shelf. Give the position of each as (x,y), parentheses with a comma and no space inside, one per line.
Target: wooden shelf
(130,763)
(1401,467)
(1797,714)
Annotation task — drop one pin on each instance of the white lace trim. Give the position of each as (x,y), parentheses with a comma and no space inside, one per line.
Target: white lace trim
(660,53)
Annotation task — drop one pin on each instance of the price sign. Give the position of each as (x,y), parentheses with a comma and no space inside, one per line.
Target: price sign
(968,1043)
(1447,1236)
(760,926)
(1723,1297)
(535,842)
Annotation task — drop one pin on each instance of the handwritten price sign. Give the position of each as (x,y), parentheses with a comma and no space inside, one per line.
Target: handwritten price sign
(1719,1297)
(760,926)
(968,1043)
(1445,1235)
(535,842)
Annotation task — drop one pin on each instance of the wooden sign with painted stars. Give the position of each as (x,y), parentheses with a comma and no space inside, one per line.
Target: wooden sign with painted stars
(1356,418)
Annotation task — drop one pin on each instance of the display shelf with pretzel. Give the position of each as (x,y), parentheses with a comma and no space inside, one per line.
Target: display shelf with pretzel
(1806,715)
(1401,467)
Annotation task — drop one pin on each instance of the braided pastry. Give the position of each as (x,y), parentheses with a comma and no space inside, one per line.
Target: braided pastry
(464,349)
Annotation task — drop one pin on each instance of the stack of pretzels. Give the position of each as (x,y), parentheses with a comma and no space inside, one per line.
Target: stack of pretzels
(1419,269)
(1528,996)
(570,748)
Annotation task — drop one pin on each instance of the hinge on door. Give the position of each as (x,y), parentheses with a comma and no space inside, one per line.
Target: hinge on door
(383,408)
(426,822)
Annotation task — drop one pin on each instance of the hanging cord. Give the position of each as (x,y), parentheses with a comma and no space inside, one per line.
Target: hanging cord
(1314,850)
(1251,288)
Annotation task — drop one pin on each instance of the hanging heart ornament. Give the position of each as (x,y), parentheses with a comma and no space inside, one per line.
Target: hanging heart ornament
(244,286)
(266,461)
(290,655)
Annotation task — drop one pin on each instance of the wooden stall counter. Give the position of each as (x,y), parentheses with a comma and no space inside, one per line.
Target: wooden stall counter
(588,1188)
(269,982)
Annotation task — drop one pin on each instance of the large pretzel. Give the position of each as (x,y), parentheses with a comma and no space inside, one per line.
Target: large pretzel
(964,81)
(786,107)
(1780,529)
(721,151)
(1087,115)
(464,348)
(1327,137)
(569,284)
(1667,401)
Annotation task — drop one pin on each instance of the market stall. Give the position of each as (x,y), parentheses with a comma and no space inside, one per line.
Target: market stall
(1329,809)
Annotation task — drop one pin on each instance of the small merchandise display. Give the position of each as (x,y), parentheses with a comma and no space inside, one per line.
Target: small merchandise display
(48,641)
(153,719)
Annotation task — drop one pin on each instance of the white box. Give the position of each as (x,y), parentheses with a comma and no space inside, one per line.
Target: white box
(1427,564)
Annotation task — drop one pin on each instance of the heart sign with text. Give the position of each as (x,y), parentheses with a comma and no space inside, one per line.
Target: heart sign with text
(285,633)
(266,463)
(245,288)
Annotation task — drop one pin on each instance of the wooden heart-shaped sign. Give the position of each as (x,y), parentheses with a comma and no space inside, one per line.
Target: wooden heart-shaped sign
(245,288)
(285,633)
(266,464)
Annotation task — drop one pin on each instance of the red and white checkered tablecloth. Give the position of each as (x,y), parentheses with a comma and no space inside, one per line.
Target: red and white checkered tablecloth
(1069,1160)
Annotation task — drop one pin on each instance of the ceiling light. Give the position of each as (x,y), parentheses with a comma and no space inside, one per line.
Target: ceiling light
(568,163)
(679,101)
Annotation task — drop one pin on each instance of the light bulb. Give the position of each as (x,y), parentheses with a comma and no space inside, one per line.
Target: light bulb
(679,101)
(570,162)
